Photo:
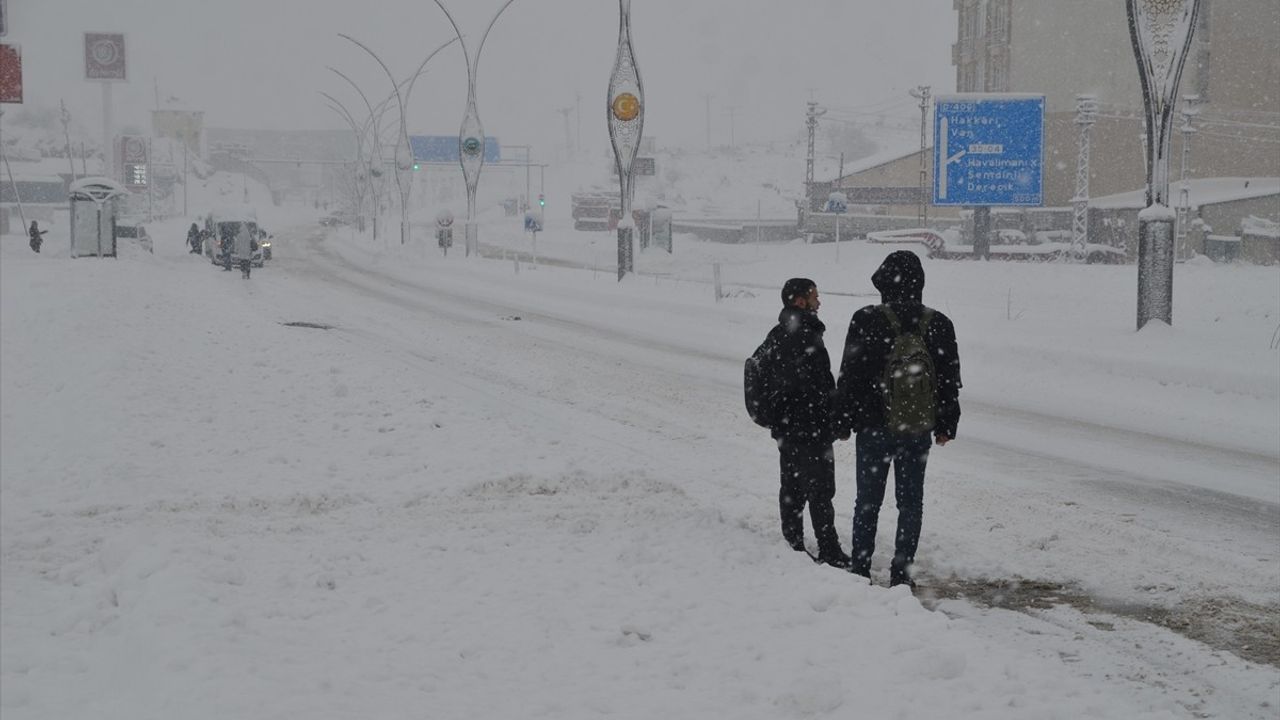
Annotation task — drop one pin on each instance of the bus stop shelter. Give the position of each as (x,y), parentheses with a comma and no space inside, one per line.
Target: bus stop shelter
(93,216)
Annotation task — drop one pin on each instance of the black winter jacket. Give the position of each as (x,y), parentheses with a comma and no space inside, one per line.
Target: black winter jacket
(802,376)
(859,400)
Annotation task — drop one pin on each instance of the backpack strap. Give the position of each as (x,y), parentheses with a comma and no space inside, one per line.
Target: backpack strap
(893,320)
(925,317)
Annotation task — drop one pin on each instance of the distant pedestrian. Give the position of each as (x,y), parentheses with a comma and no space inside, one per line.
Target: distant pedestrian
(788,387)
(37,236)
(193,238)
(899,390)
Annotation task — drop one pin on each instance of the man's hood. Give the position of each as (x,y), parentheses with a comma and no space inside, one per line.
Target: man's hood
(900,277)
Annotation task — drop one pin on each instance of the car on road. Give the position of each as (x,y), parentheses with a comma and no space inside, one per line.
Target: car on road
(133,229)
(336,218)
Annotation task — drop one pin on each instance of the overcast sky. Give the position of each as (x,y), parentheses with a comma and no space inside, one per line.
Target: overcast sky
(260,63)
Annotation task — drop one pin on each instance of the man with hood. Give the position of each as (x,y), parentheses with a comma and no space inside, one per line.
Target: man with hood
(862,402)
(193,238)
(801,396)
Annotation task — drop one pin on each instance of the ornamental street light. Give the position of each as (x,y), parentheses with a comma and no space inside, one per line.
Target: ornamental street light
(1161,33)
(625,114)
(361,173)
(373,171)
(471,133)
(403,155)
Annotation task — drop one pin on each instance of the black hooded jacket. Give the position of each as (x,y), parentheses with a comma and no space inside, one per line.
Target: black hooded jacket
(859,401)
(802,376)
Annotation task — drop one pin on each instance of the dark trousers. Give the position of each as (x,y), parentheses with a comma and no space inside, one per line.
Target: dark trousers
(244,267)
(808,475)
(909,453)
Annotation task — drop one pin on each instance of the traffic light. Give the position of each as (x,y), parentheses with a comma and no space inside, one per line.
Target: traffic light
(416,166)
(542,201)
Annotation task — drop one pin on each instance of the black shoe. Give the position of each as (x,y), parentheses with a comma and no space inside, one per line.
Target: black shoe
(836,560)
(897,579)
(797,545)
(860,571)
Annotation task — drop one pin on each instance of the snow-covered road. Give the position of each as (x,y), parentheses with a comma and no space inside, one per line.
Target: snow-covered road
(485,494)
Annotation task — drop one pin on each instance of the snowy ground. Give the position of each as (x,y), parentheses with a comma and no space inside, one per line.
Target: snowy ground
(485,493)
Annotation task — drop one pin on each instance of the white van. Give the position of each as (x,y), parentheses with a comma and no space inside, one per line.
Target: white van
(223,224)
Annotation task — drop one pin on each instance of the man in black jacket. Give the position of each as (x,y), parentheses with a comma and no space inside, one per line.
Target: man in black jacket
(802,382)
(860,407)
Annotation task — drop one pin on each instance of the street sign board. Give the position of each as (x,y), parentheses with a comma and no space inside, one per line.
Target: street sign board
(104,56)
(988,149)
(444,148)
(10,74)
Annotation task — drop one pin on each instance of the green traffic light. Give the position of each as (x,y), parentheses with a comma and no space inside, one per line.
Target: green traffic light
(415,166)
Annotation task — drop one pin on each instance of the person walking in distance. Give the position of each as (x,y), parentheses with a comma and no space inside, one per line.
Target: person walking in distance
(788,386)
(36,236)
(899,390)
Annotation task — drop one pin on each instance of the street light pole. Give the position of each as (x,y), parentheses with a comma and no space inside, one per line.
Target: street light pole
(377,147)
(921,93)
(403,156)
(1161,32)
(471,133)
(625,115)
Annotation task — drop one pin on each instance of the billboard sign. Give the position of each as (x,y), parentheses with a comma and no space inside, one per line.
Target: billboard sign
(10,74)
(104,56)
(988,149)
(445,148)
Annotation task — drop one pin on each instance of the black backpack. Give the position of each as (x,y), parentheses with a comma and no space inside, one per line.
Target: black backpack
(759,383)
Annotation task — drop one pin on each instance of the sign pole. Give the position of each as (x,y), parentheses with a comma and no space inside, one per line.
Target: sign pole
(108,150)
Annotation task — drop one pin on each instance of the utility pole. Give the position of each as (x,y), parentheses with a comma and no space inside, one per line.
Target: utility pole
(1086,114)
(921,93)
(731,142)
(568,136)
(707,96)
(811,122)
(1188,129)
(66,122)
(578,97)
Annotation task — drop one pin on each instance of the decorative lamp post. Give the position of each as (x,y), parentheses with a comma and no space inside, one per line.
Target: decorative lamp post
(403,155)
(471,133)
(625,113)
(1161,33)
(360,177)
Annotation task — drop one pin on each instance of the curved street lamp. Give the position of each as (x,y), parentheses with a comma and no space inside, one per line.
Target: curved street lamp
(403,155)
(471,133)
(1161,32)
(377,147)
(624,112)
(361,170)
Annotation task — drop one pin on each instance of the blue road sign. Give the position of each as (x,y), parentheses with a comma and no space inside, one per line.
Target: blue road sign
(988,149)
(444,148)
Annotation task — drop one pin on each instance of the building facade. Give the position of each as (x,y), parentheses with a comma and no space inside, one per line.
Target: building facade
(1063,50)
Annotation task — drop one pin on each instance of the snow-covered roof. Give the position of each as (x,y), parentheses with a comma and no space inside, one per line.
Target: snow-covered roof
(98,187)
(890,154)
(1202,191)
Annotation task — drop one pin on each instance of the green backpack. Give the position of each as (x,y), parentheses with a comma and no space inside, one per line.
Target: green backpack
(910,384)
